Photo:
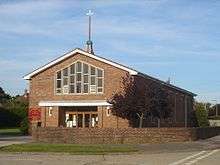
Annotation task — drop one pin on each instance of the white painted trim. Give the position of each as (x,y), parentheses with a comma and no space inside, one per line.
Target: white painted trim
(131,71)
(73,103)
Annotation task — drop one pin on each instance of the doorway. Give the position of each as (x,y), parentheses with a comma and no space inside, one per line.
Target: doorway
(81,117)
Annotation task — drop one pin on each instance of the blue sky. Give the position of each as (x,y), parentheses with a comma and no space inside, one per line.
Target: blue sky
(163,38)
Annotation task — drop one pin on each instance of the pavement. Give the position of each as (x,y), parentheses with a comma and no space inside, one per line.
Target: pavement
(203,152)
(9,140)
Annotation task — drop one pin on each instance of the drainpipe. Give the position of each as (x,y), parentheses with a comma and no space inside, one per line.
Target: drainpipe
(186,113)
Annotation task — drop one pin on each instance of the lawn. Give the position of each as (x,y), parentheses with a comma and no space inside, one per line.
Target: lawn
(69,148)
(10,132)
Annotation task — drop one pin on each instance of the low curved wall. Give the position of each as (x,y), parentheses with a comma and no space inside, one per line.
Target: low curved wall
(121,135)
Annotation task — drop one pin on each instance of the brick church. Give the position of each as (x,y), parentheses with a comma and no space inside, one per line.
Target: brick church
(72,91)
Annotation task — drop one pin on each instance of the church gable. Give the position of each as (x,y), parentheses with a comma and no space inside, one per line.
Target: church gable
(79,51)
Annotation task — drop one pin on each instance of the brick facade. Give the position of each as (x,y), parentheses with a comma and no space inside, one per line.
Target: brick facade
(42,88)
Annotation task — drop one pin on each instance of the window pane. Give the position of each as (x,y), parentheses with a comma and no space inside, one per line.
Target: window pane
(59,75)
(72,69)
(58,83)
(78,78)
(78,88)
(99,82)
(92,70)
(78,66)
(66,89)
(86,88)
(72,79)
(65,72)
(93,80)
(58,90)
(99,89)
(100,73)
(92,89)
(85,68)
(65,81)
(72,89)
(86,78)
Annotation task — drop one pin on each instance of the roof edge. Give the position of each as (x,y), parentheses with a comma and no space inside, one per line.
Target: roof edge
(166,84)
(78,50)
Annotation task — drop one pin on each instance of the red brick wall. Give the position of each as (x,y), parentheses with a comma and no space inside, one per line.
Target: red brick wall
(110,121)
(122,135)
(42,89)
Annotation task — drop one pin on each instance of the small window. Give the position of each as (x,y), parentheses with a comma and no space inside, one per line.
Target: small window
(99,73)
(86,88)
(92,70)
(92,89)
(72,69)
(59,90)
(99,82)
(100,90)
(66,89)
(65,81)
(72,79)
(58,83)
(65,72)
(78,66)
(93,80)
(78,88)
(85,69)
(59,75)
(78,77)
(72,88)
(86,78)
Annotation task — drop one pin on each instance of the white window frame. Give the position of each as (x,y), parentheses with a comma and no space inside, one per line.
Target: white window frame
(82,80)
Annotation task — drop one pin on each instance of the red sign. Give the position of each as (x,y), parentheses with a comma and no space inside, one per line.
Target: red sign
(34,114)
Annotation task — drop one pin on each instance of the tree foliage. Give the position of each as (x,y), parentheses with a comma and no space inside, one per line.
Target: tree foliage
(139,100)
(201,115)
(13,110)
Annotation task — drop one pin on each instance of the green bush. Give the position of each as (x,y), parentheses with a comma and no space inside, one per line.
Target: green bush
(201,115)
(24,126)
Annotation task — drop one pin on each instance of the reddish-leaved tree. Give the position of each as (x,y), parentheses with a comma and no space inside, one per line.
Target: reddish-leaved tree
(139,99)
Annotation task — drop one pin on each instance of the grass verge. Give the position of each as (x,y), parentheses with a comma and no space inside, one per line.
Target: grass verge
(69,148)
(10,132)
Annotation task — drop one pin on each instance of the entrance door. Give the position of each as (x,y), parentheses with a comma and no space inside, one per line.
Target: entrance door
(87,120)
(80,120)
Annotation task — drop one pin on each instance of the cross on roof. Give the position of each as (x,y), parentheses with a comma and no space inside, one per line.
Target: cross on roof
(90,13)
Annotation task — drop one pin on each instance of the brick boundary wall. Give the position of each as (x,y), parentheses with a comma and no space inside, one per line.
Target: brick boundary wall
(121,135)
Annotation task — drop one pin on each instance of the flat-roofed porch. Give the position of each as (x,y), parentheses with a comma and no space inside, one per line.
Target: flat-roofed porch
(74,114)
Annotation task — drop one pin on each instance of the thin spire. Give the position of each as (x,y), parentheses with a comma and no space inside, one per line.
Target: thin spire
(89,42)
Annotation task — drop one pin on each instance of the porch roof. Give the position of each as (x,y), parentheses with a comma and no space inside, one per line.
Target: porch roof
(78,103)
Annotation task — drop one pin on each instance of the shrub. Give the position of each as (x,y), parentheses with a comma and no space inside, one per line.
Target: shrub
(24,126)
(201,115)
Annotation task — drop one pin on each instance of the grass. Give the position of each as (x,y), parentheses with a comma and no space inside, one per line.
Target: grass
(69,148)
(10,132)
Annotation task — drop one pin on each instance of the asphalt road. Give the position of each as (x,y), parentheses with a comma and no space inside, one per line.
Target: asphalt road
(179,158)
(204,152)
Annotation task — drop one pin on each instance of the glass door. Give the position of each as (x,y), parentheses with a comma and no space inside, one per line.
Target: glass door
(80,120)
(87,120)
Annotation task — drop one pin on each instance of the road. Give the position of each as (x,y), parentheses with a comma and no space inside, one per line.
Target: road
(203,152)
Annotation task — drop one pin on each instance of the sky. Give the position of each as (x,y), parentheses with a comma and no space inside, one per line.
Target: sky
(179,39)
